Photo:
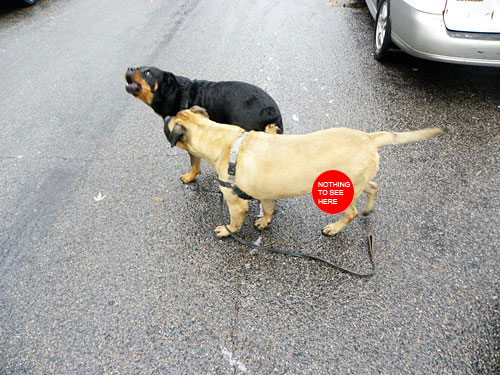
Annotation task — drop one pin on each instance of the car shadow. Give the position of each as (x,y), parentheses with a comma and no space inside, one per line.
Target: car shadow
(445,78)
(8,6)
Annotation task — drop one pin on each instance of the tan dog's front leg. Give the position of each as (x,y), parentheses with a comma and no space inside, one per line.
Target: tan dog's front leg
(238,209)
(195,170)
(268,208)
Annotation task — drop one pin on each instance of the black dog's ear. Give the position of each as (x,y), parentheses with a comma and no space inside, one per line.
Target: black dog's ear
(178,132)
(168,81)
(199,110)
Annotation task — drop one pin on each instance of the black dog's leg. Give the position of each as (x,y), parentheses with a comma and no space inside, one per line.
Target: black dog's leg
(271,115)
(279,124)
(195,170)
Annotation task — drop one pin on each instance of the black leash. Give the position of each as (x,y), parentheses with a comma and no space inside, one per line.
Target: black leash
(371,251)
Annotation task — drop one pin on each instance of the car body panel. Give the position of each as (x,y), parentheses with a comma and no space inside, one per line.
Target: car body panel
(372,7)
(428,6)
(473,16)
(425,35)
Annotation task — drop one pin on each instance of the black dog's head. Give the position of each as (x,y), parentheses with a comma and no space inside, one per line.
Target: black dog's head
(150,84)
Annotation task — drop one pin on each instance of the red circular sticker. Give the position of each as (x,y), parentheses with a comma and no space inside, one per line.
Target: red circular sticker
(332,192)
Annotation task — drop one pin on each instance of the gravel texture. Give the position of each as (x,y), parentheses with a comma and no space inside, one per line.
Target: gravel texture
(138,283)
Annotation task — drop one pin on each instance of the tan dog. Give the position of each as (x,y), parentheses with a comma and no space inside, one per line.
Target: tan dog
(263,173)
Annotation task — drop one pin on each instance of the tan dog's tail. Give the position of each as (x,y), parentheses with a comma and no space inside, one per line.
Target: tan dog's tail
(388,138)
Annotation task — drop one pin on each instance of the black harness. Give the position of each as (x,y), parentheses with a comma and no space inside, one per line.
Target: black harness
(231,170)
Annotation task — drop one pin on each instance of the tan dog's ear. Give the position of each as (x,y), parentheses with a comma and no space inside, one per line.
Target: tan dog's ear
(166,130)
(178,132)
(200,111)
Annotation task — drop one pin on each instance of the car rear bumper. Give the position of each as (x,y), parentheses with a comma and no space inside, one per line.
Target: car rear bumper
(424,35)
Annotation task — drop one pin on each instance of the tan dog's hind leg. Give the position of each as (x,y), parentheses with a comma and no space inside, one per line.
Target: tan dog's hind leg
(268,208)
(371,194)
(238,209)
(349,215)
(195,171)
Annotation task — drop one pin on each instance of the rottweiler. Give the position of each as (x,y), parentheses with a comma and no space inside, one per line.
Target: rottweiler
(227,102)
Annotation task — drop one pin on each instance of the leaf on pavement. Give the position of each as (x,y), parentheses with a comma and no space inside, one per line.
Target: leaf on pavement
(99,197)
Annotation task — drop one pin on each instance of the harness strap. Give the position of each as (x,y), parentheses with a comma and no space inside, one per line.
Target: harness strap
(231,170)
(233,155)
(236,190)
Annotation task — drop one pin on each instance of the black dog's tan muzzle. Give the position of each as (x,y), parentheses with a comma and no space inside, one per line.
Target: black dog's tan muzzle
(133,87)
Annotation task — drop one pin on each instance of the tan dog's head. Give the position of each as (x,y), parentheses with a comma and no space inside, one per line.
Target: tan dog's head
(178,127)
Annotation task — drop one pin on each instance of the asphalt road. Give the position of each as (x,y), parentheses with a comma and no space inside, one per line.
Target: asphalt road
(138,283)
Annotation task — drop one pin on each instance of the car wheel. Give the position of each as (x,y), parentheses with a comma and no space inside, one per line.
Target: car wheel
(28,3)
(382,36)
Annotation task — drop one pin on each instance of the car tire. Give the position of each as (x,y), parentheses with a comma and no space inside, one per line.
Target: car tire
(27,3)
(382,36)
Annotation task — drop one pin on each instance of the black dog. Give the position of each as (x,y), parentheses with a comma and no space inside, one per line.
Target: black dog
(228,102)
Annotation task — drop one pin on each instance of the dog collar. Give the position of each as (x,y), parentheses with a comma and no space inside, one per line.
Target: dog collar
(191,94)
(231,170)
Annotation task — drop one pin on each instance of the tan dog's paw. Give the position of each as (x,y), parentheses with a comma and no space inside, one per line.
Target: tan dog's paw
(367,211)
(222,232)
(271,129)
(188,177)
(262,223)
(331,229)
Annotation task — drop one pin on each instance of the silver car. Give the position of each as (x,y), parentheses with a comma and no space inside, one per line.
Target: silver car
(454,31)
